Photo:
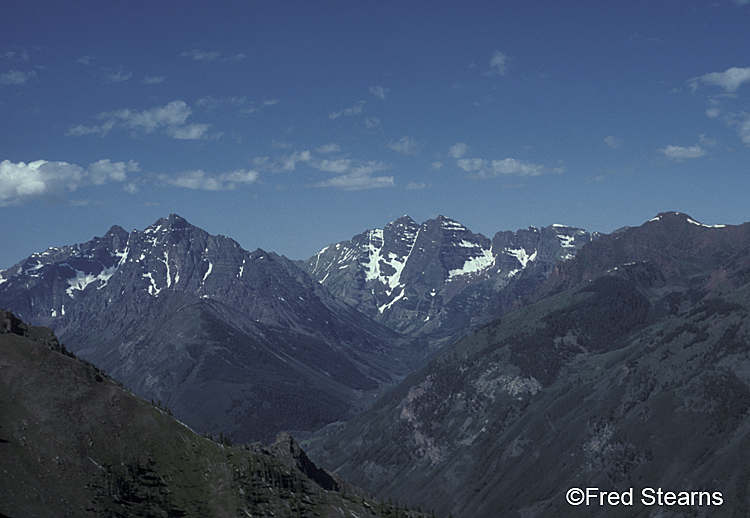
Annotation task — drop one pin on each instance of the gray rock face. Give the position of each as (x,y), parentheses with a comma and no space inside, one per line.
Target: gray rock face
(439,278)
(234,341)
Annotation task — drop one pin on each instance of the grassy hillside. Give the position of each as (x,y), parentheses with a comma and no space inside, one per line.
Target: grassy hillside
(75,443)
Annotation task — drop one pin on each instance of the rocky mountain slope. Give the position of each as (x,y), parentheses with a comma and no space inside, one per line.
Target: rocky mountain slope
(627,371)
(74,443)
(437,279)
(240,342)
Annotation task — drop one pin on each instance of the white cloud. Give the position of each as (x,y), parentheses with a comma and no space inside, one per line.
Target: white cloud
(80,130)
(379,92)
(405,145)
(706,141)
(353,176)
(16,77)
(290,162)
(348,112)
(506,167)
(152,80)
(211,102)
(105,170)
(371,122)
(680,153)
(85,60)
(242,103)
(741,122)
(15,57)
(235,57)
(200,55)
(329,148)
(613,142)
(498,63)
(200,180)
(472,164)
(190,131)
(741,2)
(280,144)
(414,186)
(214,55)
(171,118)
(730,80)
(458,150)
(339,165)
(360,178)
(117,77)
(42,179)
(253,107)
(174,114)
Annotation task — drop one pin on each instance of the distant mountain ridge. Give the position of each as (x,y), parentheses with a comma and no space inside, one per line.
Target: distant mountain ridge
(438,278)
(238,341)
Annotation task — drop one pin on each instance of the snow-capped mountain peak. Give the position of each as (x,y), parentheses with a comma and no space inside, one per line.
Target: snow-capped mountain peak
(406,274)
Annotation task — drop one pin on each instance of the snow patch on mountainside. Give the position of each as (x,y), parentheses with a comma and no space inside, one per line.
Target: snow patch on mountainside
(376,259)
(83,279)
(475,264)
(208,272)
(692,221)
(374,246)
(392,302)
(523,257)
(449,224)
(152,289)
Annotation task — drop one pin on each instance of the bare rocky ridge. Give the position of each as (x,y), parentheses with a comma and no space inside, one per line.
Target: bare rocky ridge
(439,279)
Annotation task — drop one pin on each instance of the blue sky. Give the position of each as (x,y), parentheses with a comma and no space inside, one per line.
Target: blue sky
(291,125)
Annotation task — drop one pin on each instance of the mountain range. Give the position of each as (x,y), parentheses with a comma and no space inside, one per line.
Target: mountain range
(628,369)
(251,343)
(507,371)
(233,341)
(439,279)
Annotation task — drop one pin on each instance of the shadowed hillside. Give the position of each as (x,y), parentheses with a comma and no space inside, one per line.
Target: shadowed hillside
(74,443)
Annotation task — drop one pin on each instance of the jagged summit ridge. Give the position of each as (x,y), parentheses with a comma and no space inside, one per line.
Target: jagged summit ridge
(406,274)
(170,254)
